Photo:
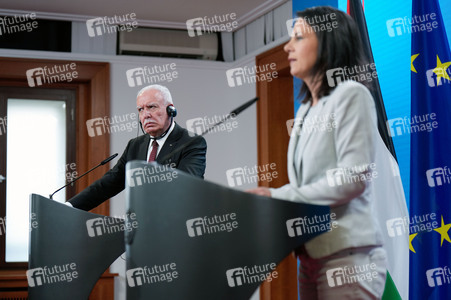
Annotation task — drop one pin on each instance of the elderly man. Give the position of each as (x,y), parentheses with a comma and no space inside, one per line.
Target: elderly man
(156,112)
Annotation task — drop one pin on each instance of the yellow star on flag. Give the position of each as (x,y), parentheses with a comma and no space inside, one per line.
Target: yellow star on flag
(440,70)
(412,58)
(411,237)
(443,230)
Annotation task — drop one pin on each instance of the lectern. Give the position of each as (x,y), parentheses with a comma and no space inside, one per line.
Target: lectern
(69,249)
(198,240)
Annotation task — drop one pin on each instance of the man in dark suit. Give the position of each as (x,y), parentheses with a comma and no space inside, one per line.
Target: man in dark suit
(156,112)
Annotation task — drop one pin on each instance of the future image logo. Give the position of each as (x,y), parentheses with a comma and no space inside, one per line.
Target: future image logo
(395,27)
(359,73)
(205,25)
(209,225)
(56,274)
(435,76)
(53,74)
(396,227)
(317,123)
(316,23)
(35,277)
(3,124)
(248,75)
(109,225)
(351,274)
(151,75)
(249,175)
(135,277)
(397,127)
(311,225)
(408,25)
(349,175)
(114,124)
(114,24)
(251,274)
(135,177)
(438,276)
(18,23)
(165,273)
(409,225)
(413,124)
(3,225)
(197,126)
(438,176)
(150,174)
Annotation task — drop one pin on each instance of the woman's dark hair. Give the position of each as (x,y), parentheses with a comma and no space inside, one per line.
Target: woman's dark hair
(339,45)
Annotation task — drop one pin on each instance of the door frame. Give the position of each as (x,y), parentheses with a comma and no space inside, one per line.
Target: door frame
(274,108)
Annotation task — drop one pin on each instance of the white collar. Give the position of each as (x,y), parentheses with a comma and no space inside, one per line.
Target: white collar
(163,139)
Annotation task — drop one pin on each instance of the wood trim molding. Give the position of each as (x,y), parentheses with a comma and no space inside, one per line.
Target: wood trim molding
(274,108)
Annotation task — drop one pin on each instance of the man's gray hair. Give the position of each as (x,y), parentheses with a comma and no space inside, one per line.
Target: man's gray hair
(164,91)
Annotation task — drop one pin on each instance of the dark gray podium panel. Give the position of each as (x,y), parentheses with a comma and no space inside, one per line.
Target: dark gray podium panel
(193,239)
(69,249)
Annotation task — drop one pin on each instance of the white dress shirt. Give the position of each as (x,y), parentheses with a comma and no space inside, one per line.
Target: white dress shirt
(160,142)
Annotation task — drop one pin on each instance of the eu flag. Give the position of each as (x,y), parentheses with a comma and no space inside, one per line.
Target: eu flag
(430,175)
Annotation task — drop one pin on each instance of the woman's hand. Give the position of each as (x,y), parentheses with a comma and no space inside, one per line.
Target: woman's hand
(262,191)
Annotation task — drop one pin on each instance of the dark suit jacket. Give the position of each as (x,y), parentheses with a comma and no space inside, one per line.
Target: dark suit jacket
(191,159)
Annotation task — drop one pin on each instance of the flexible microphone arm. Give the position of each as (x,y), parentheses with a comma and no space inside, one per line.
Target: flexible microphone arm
(72,181)
(233,113)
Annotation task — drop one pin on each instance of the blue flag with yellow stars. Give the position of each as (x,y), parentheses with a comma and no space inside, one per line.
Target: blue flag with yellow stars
(430,174)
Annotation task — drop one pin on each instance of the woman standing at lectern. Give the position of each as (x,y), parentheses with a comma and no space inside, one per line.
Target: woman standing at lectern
(333,167)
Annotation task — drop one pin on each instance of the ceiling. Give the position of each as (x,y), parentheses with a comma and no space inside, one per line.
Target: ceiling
(154,13)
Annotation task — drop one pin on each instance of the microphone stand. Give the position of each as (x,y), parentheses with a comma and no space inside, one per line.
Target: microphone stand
(73,180)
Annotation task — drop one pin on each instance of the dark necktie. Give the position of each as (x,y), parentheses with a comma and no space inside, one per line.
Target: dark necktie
(153,154)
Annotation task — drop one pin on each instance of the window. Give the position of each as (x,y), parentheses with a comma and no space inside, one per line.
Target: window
(39,135)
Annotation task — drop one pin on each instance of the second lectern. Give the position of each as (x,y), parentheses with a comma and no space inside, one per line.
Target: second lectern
(194,239)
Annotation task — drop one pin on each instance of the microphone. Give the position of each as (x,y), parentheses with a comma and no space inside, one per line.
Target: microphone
(73,180)
(233,113)
(102,163)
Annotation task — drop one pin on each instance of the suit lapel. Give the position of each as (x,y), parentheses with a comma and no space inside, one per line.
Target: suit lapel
(170,145)
(310,132)
(294,138)
(142,154)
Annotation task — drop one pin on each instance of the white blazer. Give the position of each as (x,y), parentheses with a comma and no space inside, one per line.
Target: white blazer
(320,178)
